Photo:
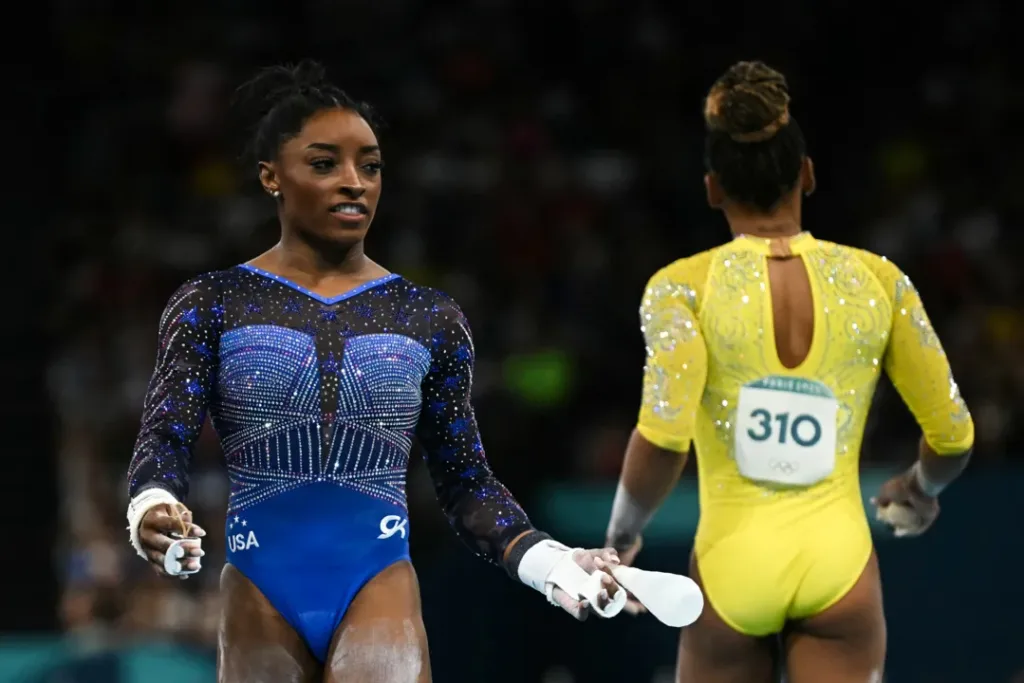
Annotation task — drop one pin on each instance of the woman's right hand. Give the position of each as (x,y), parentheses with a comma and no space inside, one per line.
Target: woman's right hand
(164,524)
(626,557)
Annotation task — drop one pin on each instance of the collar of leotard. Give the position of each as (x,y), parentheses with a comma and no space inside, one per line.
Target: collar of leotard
(779,247)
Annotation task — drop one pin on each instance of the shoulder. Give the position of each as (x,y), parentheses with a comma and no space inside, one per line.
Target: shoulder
(880,265)
(199,301)
(206,284)
(203,292)
(447,322)
(688,267)
(892,279)
(435,302)
(680,281)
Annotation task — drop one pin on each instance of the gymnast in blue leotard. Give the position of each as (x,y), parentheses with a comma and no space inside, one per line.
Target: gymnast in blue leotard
(319,369)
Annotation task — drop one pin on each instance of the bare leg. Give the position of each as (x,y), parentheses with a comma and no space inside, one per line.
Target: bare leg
(382,638)
(710,651)
(256,644)
(846,642)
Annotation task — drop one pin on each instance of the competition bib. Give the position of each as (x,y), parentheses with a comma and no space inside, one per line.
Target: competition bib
(786,431)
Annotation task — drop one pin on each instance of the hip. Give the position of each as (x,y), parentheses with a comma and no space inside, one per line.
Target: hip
(320,523)
(762,567)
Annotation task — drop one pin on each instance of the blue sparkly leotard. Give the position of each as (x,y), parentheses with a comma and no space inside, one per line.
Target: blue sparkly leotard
(316,402)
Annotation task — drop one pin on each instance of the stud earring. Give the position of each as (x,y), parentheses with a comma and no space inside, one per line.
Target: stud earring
(275,194)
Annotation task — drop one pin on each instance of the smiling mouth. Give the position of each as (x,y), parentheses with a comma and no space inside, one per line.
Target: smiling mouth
(349,211)
(349,208)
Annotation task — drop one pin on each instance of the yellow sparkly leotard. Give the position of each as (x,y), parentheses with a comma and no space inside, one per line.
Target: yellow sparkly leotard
(783,533)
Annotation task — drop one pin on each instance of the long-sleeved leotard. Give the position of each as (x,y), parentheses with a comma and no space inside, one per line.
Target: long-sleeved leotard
(316,402)
(782,532)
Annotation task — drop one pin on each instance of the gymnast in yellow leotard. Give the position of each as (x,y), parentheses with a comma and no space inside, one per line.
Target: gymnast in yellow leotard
(765,353)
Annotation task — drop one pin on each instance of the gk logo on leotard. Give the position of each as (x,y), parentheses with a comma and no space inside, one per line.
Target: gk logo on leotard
(391,525)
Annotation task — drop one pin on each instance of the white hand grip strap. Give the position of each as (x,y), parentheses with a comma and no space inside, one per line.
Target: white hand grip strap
(549,563)
(137,509)
(580,585)
(176,553)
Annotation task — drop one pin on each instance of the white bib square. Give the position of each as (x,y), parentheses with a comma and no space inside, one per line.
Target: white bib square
(786,431)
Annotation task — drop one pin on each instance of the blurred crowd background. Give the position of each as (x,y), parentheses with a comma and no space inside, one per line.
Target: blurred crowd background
(543,160)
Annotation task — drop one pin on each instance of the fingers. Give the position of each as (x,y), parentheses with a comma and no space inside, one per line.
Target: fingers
(585,559)
(167,520)
(633,607)
(608,589)
(593,560)
(184,518)
(628,555)
(160,521)
(187,555)
(157,558)
(161,532)
(605,565)
(611,588)
(155,540)
(189,550)
(579,609)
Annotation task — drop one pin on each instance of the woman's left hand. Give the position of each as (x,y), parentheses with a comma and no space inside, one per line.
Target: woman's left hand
(598,560)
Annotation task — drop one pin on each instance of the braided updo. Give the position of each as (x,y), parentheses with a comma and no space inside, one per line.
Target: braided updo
(753,145)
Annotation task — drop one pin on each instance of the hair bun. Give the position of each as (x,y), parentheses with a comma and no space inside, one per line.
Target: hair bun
(257,96)
(749,103)
(308,73)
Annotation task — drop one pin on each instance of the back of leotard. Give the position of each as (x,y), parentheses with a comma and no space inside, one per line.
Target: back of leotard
(782,530)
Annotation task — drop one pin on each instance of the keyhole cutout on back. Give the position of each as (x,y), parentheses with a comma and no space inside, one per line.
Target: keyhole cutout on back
(792,304)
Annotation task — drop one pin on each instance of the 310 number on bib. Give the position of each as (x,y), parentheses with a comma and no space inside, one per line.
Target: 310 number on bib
(804,430)
(786,431)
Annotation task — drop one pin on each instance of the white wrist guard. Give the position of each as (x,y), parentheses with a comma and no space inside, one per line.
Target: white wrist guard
(927,487)
(137,509)
(549,564)
(628,518)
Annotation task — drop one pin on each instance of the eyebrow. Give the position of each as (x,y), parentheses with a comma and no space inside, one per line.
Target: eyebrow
(336,149)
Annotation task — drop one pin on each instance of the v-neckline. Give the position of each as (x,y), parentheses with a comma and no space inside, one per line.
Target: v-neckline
(327,301)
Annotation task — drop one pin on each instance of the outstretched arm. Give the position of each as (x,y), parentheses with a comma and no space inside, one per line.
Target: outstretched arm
(482,511)
(674,377)
(917,365)
(173,414)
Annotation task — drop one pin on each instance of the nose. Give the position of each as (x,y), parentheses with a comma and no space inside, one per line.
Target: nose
(350,184)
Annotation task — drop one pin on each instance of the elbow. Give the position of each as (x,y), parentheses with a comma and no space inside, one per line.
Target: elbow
(663,440)
(955,438)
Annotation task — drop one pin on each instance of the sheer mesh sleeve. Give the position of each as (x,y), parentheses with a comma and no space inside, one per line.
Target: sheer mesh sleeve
(180,389)
(918,367)
(481,510)
(677,363)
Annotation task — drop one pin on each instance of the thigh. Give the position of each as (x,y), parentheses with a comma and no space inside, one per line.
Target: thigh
(710,651)
(846,642)
(255,643)
(382,638)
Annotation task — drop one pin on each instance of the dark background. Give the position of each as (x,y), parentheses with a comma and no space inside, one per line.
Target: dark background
(544,159)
